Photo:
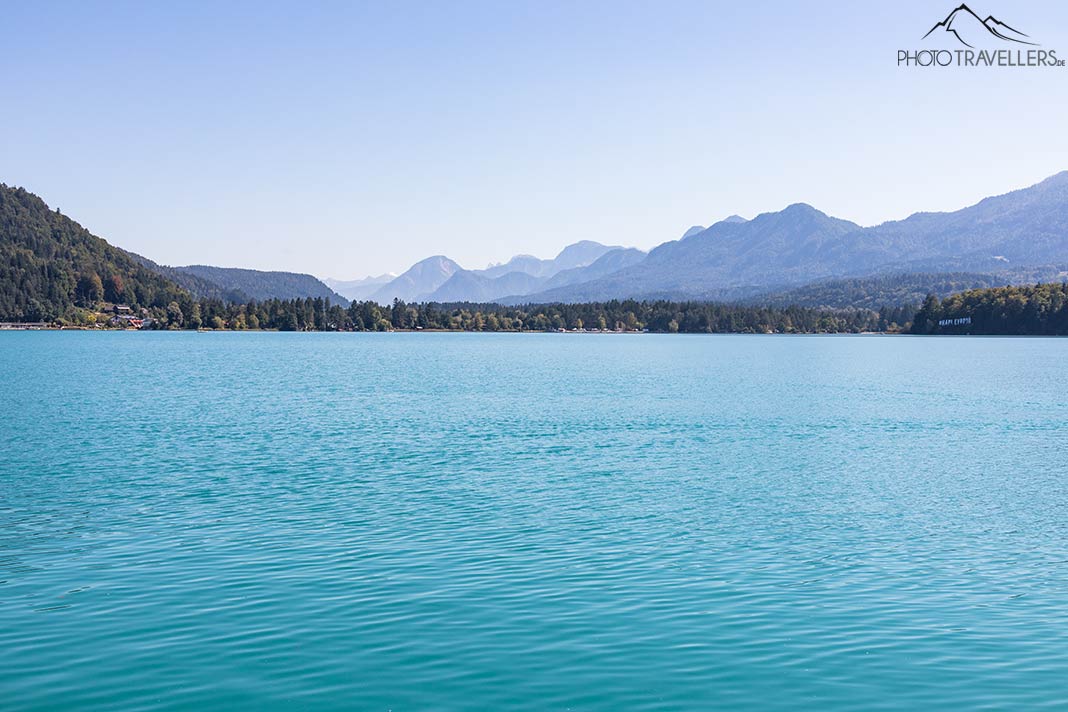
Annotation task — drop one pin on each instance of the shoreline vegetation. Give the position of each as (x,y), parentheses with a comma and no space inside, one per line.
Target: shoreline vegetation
(1039,310)
(319,314)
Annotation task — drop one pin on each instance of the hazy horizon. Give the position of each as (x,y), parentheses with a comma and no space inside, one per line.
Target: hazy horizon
(345,141)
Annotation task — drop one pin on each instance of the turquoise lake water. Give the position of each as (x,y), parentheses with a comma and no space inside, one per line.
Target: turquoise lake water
(461,521)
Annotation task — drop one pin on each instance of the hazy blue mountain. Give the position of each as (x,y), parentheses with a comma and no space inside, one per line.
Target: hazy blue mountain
(772,249)
(1021,228)
(442,280)
(799,245)
(698,229)
(609,263)
(358,289)
(468,286)
(512,288)
(465,286)
(579,254)
(420,281)
(258,285)
(528,264)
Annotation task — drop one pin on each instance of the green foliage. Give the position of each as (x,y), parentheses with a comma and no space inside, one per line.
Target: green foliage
(242,285)
(90,289)
(50,266)
(670,317)
(1041,310)
(880,290)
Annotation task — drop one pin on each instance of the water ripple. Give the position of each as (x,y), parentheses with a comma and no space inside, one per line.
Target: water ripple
(512,521)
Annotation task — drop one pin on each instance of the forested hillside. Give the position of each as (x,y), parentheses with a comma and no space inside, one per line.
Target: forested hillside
(880,291)
(245,284)
(51,265)
(199,287)
(1024,311)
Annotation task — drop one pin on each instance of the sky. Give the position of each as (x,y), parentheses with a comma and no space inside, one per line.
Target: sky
(355,138)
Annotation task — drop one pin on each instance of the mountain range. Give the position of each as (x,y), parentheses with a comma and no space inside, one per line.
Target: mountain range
(49,263)
(799,245)
(358,289)
(439,279)
(1000,240)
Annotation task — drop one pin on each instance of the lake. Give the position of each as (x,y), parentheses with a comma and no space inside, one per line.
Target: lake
(258,521)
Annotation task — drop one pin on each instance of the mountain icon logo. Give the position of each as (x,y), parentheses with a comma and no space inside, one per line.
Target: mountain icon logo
(970,30)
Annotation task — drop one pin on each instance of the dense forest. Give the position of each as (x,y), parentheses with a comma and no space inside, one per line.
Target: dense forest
(667,317)
(879,290)
(1025,311)
(199,287)
(251,284)
(50,266)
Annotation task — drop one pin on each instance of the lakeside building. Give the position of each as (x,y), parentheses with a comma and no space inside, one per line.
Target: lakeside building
(127,321)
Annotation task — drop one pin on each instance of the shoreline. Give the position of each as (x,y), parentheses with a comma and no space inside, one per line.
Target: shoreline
(530,332)
(10,328)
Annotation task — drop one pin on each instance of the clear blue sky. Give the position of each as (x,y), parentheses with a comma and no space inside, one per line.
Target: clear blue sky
(345,139)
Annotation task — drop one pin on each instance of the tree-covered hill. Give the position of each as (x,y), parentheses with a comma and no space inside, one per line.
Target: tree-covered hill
(256,284)
(875,292)
(199,287)
(50,265)
(1039,310)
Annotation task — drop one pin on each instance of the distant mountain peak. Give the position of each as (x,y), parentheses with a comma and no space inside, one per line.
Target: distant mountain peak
(583,247)
(580,254)
(693,231)
(802,209)
(1056,179)
(735,219)
(580,244)
(419,280)
(355,289)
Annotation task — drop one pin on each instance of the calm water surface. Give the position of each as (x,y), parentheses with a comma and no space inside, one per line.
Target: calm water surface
(443,521)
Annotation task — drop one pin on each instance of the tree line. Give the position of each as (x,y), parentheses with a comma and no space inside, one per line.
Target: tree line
(318,314)
(1039,310)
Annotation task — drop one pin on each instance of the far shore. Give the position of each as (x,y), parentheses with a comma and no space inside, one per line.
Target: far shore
(575,332)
